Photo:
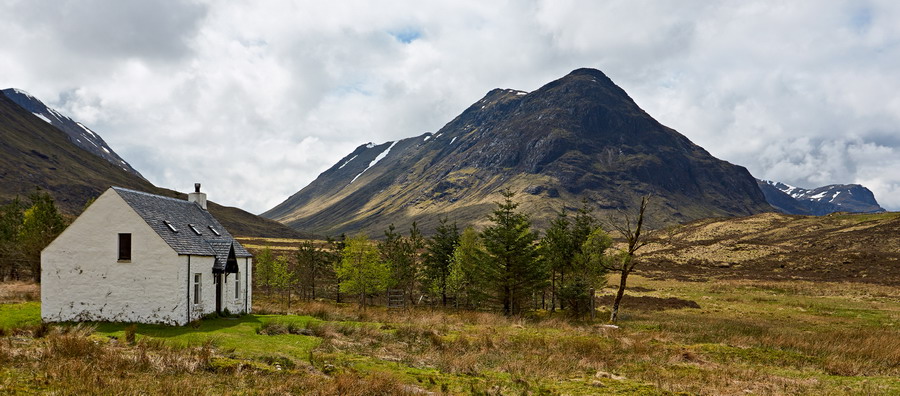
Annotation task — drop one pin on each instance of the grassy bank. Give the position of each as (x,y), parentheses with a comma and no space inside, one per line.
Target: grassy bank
(722,337)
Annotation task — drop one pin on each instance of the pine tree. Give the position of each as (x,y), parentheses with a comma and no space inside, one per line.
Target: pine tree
(587,273)
(438,256)
(512,271)
(400,256)
(557,250)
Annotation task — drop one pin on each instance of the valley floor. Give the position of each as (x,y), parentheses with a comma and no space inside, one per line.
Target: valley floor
(715,337)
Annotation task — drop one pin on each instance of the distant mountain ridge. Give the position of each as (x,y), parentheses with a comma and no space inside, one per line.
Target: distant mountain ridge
(78,134)
(579,137)
(819,201)
(36,155)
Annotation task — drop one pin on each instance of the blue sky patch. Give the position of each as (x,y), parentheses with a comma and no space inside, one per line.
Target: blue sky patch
(406,35)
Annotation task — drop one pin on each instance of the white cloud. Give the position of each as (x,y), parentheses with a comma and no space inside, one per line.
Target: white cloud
(254,99)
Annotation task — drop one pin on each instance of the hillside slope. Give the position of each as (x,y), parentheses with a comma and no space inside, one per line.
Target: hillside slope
(34,154)
(579,137)
(79,134)
(836,247)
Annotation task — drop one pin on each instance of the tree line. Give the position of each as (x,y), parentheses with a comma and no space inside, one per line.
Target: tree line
(506,266)
(25,230)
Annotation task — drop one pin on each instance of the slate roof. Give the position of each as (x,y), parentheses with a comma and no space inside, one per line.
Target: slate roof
(156,210)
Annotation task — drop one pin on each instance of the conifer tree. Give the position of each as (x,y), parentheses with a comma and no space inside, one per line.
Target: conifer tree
(512,271)
(587,273)
(438,256)
(401,258)
(557,250)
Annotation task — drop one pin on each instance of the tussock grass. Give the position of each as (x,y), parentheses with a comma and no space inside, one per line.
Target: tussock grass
(736,337)
(74,360)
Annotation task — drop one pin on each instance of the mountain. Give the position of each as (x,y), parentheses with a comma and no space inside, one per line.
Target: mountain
(774,246)
(819,201)
(579,137)
(78,134)
(34,154)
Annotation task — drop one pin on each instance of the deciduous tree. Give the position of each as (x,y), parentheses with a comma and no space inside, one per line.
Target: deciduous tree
(438,256)
(463,280)
(625,262)
(41,224)
(361,270)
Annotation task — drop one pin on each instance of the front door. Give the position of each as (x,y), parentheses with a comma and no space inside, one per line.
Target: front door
(218,293)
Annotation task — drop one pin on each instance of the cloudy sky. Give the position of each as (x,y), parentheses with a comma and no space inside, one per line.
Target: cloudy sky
(254,99)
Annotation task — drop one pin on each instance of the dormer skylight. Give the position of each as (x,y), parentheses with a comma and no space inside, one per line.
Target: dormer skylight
(194,228)
(169,224)
(214,231)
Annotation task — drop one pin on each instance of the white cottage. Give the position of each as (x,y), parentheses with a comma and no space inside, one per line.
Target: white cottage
(138,257)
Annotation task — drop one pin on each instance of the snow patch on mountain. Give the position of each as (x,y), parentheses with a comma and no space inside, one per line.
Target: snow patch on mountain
(347,161)
(375,161)
(41,116)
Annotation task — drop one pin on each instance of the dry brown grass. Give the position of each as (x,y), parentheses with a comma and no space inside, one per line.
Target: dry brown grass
(70,360)
(745,336)
(16,291)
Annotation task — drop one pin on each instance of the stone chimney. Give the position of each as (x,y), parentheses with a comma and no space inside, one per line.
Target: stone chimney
(197,196)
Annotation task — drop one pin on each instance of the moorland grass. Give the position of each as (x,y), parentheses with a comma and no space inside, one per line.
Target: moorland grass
(740,337)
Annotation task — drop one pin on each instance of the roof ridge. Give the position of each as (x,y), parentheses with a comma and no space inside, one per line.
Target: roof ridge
(151,195)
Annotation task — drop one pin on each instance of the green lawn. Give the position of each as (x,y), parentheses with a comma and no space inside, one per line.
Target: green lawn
(238,335)
(20,315)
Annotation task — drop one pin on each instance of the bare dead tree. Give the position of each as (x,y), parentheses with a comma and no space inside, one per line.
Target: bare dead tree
(625,263)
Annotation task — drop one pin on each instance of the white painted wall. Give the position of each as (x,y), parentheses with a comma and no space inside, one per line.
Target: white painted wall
(82,279)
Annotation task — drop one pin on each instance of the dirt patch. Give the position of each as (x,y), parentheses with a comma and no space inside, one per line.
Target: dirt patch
(650,303)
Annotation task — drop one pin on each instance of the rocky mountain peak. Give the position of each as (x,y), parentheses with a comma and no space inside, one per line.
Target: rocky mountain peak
(579,137)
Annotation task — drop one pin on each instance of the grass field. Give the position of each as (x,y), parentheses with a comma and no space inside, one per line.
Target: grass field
(721,337)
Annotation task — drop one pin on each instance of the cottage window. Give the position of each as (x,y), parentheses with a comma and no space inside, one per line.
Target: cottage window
(124,247)
(194,228)
(197,278)
(237,287)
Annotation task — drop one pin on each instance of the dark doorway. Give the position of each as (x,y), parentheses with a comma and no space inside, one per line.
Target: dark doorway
(218,293)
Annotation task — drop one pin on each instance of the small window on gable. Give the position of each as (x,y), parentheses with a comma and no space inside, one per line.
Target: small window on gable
(124,247)
(194,228)
(214,231)
(169,224)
